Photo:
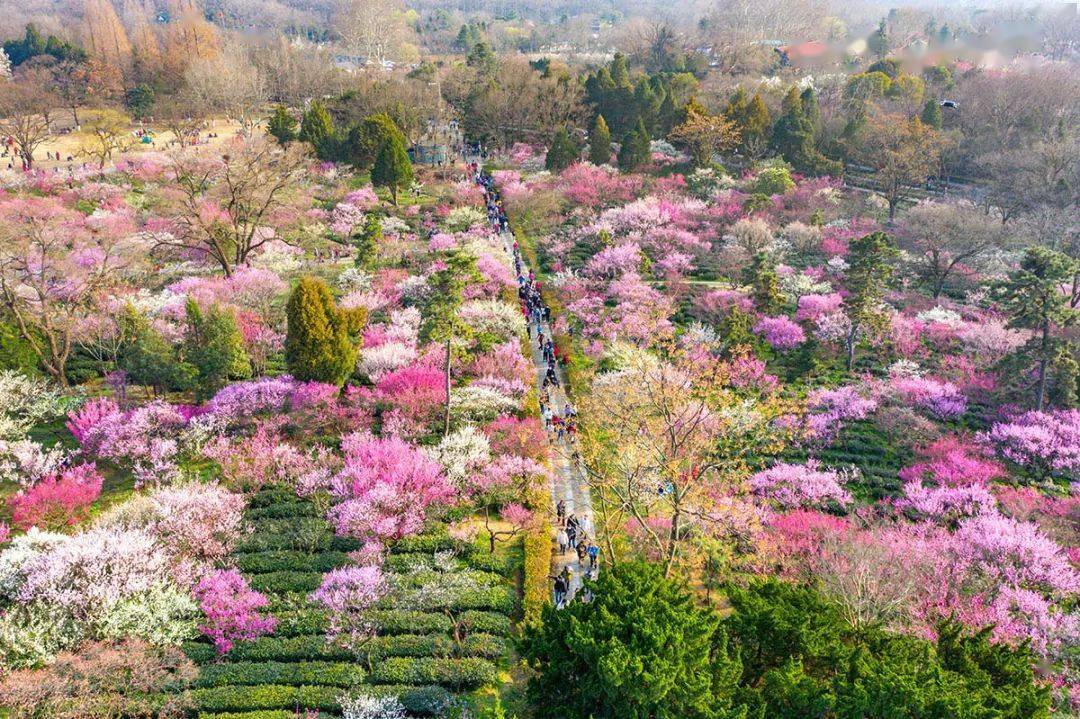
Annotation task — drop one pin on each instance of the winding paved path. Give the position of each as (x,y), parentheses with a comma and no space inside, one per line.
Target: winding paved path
(568,480)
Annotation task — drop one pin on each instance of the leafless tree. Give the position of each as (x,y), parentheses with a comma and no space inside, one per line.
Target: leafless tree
(249,184)
(229,84)
(24,115)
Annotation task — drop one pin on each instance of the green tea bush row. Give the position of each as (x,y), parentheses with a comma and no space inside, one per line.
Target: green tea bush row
(338,674)
(458,674)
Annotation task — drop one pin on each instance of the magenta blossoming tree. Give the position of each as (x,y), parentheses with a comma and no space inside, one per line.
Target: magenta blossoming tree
(1042,443)
(348,594)
(801,485)
(232,609)
(780,332)
(386,488)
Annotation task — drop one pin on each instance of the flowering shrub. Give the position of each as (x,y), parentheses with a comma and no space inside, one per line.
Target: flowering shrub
(366,706)
(941,399)
(231,608)
(952,462)
(385,488)
(946,504)
(523,437)
(1042,443)
(780,332)
(812,307)
(801,485)
(198,521)
(830,408)
(1016,554)
(347,594)
(57,501)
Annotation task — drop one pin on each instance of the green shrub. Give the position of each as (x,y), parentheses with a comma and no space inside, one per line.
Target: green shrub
(424,544)
(268,649)
(300,623)
(286,581)
(486,623)
(270,495)
(267,696)
(401,621)
(293,674)
(284,509)
(264,714)
(459,674)
(310,539)
(289,560)
(536,592)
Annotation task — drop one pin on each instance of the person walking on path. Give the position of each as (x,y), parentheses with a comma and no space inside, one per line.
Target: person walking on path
(560,512)
(563,540)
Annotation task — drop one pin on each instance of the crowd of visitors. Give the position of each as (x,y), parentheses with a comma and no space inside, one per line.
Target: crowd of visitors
(572,533)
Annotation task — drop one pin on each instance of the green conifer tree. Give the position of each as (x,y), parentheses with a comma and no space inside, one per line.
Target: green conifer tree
(215,347)
(318,346)
(392,169)
(562,153)
(600,142)
(634,151)
(282,125)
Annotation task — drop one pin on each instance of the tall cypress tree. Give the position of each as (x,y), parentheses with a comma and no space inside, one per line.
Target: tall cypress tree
(215,347)
(931,114)
(316,125)
(441,322)
(634,151)
(600,142)
(317,343)
(562,153)
(282,125)
(393,169)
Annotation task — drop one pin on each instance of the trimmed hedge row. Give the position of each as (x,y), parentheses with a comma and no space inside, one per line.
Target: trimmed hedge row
(289,560)
(272,649)
(262,714)
(267,696)
(536,595)
(418,700)
(283,510)
(312,541)
(404,621)
(459,674)
(268,496)
(315,649)
(337,674)
(274,582)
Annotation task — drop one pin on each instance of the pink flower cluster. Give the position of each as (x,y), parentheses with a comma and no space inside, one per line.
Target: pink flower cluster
(1040,442)
(801,485)
(232,609)
(780,332)
(941,399)
(57,500)
(386,488)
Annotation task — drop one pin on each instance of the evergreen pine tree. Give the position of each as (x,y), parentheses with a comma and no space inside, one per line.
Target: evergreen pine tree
(215,347)
(317,343)
(931,114)
(366,241)
(762,277)
(392,169)
(441,322)
(634,151)
(148,358)
(282,125)
(600,142)
(562,153)
(316,126)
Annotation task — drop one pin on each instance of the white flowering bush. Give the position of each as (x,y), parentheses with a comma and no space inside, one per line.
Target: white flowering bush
(479,404)
(164,614)
(366,706)
(26,401)
(495,318)
(27,462)
(374,362)
(354,279)
(18,555)
(940,315)
(33,635)
(462,218)
(462,453)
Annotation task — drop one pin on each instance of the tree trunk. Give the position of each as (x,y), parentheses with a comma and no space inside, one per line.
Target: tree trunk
(446,414)
(75,114)
(1044,361)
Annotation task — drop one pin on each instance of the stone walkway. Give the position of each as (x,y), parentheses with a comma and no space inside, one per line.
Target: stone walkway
(568,480)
